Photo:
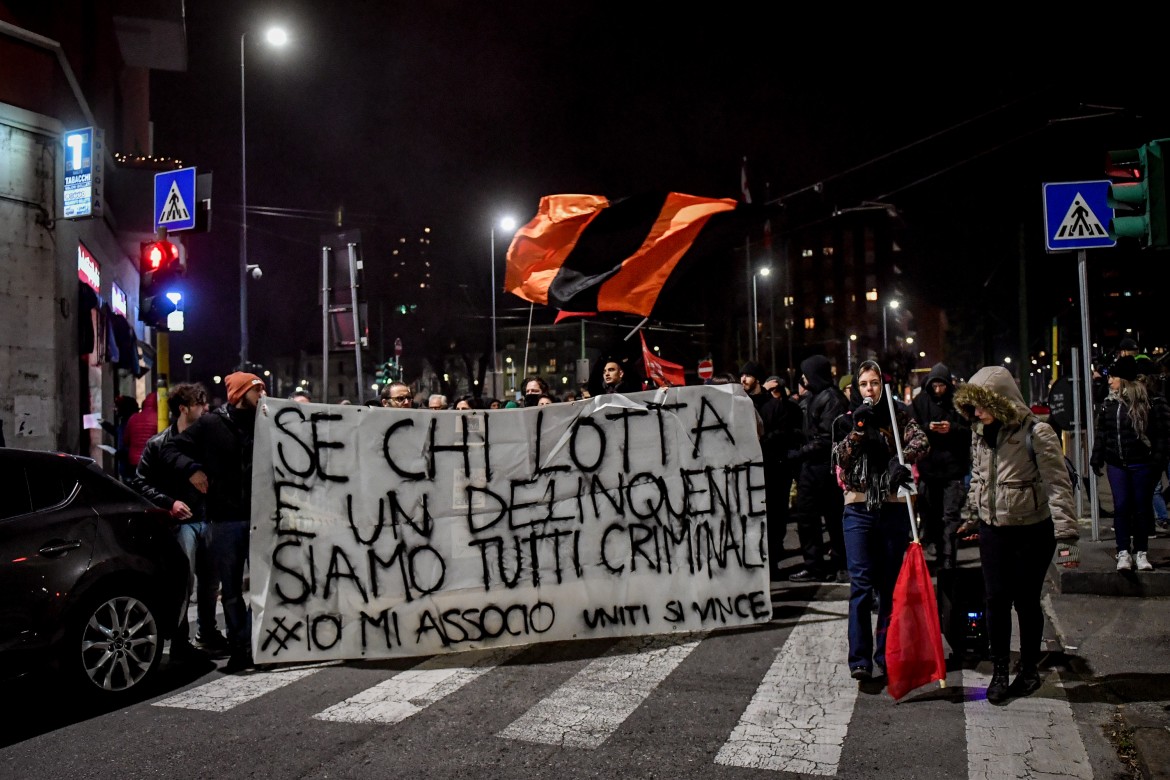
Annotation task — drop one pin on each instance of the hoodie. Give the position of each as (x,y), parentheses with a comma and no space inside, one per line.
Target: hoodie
(949,456)
(825,404)
(1008,485)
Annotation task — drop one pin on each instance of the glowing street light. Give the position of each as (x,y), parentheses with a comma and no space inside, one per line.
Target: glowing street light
(275,36)
(507,224)
(765,272)
(885,328)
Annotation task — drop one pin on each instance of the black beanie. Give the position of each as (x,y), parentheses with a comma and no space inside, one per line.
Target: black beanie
(1124,368)
(752,369)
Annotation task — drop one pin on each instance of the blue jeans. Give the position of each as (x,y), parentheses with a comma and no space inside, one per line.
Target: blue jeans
(195,539)
(1133,504)
(229,546)
(1159,501)
(875,543)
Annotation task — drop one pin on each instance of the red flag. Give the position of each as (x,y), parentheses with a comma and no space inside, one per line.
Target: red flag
(568,315)
(914,653)
(662,372)
(582,253)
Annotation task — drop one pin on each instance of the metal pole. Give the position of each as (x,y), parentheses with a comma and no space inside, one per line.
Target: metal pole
(1078,453)
(772,324)
(495,355)
(885,330)
(243,218)
(1087,359)
(324,324)
(357,336)
(755,323)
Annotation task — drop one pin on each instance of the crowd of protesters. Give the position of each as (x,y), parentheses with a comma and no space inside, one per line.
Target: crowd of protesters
(833,468)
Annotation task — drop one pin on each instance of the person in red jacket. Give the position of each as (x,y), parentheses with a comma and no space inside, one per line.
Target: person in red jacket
(142,425)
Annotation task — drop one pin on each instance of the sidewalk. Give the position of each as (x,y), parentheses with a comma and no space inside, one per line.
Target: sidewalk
(1113,631)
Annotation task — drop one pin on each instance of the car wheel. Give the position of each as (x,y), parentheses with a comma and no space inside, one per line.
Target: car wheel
(114,646)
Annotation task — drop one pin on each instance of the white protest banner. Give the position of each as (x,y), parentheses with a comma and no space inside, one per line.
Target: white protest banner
(385,532)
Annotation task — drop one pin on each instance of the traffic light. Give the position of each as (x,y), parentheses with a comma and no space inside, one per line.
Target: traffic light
(159,269)
(1138,191)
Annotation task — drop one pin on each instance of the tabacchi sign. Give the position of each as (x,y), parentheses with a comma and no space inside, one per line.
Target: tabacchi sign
(84,166)
(384,532)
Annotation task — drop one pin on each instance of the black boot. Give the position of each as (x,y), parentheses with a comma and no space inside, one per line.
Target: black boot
(1027,681)
(997,689)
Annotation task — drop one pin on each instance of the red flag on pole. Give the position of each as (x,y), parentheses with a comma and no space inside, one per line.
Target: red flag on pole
(662,372)
(914,653)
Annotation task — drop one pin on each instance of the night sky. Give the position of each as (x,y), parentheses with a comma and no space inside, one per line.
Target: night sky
(449,115)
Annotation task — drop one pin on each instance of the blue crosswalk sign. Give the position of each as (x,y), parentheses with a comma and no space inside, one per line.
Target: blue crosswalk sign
(174,200)
(1077,215)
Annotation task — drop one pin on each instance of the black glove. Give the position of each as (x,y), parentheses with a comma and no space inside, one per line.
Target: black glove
(899,475)
(863,418)
(1098,467)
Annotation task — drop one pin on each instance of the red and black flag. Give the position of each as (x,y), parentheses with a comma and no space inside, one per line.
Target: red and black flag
(661,371)
(584,253)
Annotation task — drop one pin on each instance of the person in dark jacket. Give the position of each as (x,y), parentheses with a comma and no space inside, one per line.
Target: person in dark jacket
(172,491)
(782,421)
(941,471)
(1133,442)
(751,376)
(819,502)
(215,454)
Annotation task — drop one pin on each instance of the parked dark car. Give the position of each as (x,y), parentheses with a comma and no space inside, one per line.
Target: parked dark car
(91,576)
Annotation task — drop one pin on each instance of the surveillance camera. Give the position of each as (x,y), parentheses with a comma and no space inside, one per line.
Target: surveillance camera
(255,271)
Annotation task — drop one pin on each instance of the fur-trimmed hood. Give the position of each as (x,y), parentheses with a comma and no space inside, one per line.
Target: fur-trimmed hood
(994,389)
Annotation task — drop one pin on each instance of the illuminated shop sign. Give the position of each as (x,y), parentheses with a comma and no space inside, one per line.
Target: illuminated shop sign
(88,268)
(84,155)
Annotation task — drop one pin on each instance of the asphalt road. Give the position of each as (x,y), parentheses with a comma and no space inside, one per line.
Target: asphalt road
(773,701)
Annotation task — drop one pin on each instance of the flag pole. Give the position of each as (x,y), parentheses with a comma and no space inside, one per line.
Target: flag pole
(637,328)
(527,339)
(903,491)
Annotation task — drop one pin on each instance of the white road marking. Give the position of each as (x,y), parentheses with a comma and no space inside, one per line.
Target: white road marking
(413,690)
(233,690)
(1030,737)
(799,716)
(589,708)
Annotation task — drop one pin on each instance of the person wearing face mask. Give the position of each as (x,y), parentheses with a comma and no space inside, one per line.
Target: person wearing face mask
(875,521)
(534,388)
(1026,513)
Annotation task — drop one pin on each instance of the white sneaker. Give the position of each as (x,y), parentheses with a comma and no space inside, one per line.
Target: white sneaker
(1143,563)
(1124,561)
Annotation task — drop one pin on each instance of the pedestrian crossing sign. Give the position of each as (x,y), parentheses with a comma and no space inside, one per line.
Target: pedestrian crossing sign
(1077,215)
(174,200)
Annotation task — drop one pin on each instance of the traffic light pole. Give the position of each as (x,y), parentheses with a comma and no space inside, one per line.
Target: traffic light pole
(1087,370)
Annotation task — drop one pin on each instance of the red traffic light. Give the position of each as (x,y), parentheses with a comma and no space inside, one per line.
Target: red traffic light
(157,254)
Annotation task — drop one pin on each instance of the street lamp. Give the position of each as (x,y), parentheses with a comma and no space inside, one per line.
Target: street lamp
(885,329)
(849,352)
(765,272)
(507,224)
(275,36)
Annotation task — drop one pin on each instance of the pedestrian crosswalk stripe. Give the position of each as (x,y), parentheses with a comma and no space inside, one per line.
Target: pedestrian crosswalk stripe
(590,707)
(413,690)
(232,690)
(798,718)
(1033,736)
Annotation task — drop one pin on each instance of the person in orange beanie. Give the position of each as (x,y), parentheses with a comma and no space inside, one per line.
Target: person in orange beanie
(215,454)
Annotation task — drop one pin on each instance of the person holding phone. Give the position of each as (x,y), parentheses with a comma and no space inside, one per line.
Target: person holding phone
(942,470)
